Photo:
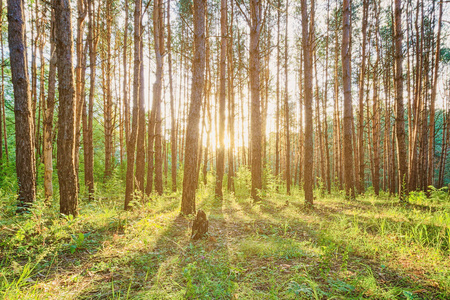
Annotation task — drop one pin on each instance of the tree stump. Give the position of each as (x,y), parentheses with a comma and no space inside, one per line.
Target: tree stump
(200,226)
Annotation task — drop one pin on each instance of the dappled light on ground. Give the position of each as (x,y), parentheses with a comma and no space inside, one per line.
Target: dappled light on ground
(273,249)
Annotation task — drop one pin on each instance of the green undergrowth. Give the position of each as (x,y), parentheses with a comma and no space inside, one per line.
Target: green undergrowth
(368,248)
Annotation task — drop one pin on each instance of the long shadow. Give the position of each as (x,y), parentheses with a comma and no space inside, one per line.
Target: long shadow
(175,264)
(354,261)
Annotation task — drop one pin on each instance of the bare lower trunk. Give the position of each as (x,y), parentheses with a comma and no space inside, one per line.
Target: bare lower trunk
(220,162)
(308,68)
(191,149)
(255,29)
(400,122)
(67,106)
(25,159)
(48,124)
(348,149)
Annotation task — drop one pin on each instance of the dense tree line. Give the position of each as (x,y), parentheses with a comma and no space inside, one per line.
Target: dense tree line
(320,94)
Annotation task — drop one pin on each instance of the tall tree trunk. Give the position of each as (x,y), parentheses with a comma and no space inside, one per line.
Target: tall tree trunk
(173,130)
(80,71)
(88,111)
(191,149)
(400,122)
(231,103)
(25,159)
(140,142)
(108,91)
(255,29)
(129,190)
(376,113)
(158,30)
(126,103)
(308,69)
(220,162)
(433,100)
(68,190)
(360,183)
(49,108)
(286,107)
(348,149)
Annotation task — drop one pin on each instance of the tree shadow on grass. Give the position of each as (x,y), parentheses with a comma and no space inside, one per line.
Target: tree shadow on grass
(174,264)
(338,257)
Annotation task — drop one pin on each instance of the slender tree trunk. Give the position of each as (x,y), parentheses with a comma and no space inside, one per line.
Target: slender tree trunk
(277,118)
(231,103)
(286,107)
(68,190)
(400,122)
(308,69)
(140,142)
(108,91)
(129,191)
(126,103)
(348,149)
(362,74)
(88,111)
(220,162)
(191,149)
(255,29)
(433,100)
(80,71)
(48,120)
(25,159)
(173,130)
(158,29)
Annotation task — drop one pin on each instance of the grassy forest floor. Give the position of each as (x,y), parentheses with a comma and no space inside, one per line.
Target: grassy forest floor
(371,248)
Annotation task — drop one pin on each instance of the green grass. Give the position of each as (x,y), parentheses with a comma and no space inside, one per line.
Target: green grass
(372,248)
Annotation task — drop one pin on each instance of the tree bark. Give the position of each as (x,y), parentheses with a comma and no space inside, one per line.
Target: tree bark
(191,149)
(220,162)
(68,189)
(286,108)
(308,68)
(129,190)
(25,159)
(88,111)
(400,122)
(49,108)
(158,29)
(255,29)
(173,130)
(348,149)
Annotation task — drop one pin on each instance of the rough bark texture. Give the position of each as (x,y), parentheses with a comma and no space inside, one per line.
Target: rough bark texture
(231,103)
(220,162)
(308,162)
(129,190)
(286,108)
(108,122)
(173,130)
(400,121)
(88,111)
(140,142)
(255,29)
(360,183)
(191,149)
(348,149)
(49,108)
(68,190)
(158,31)
(25,165)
